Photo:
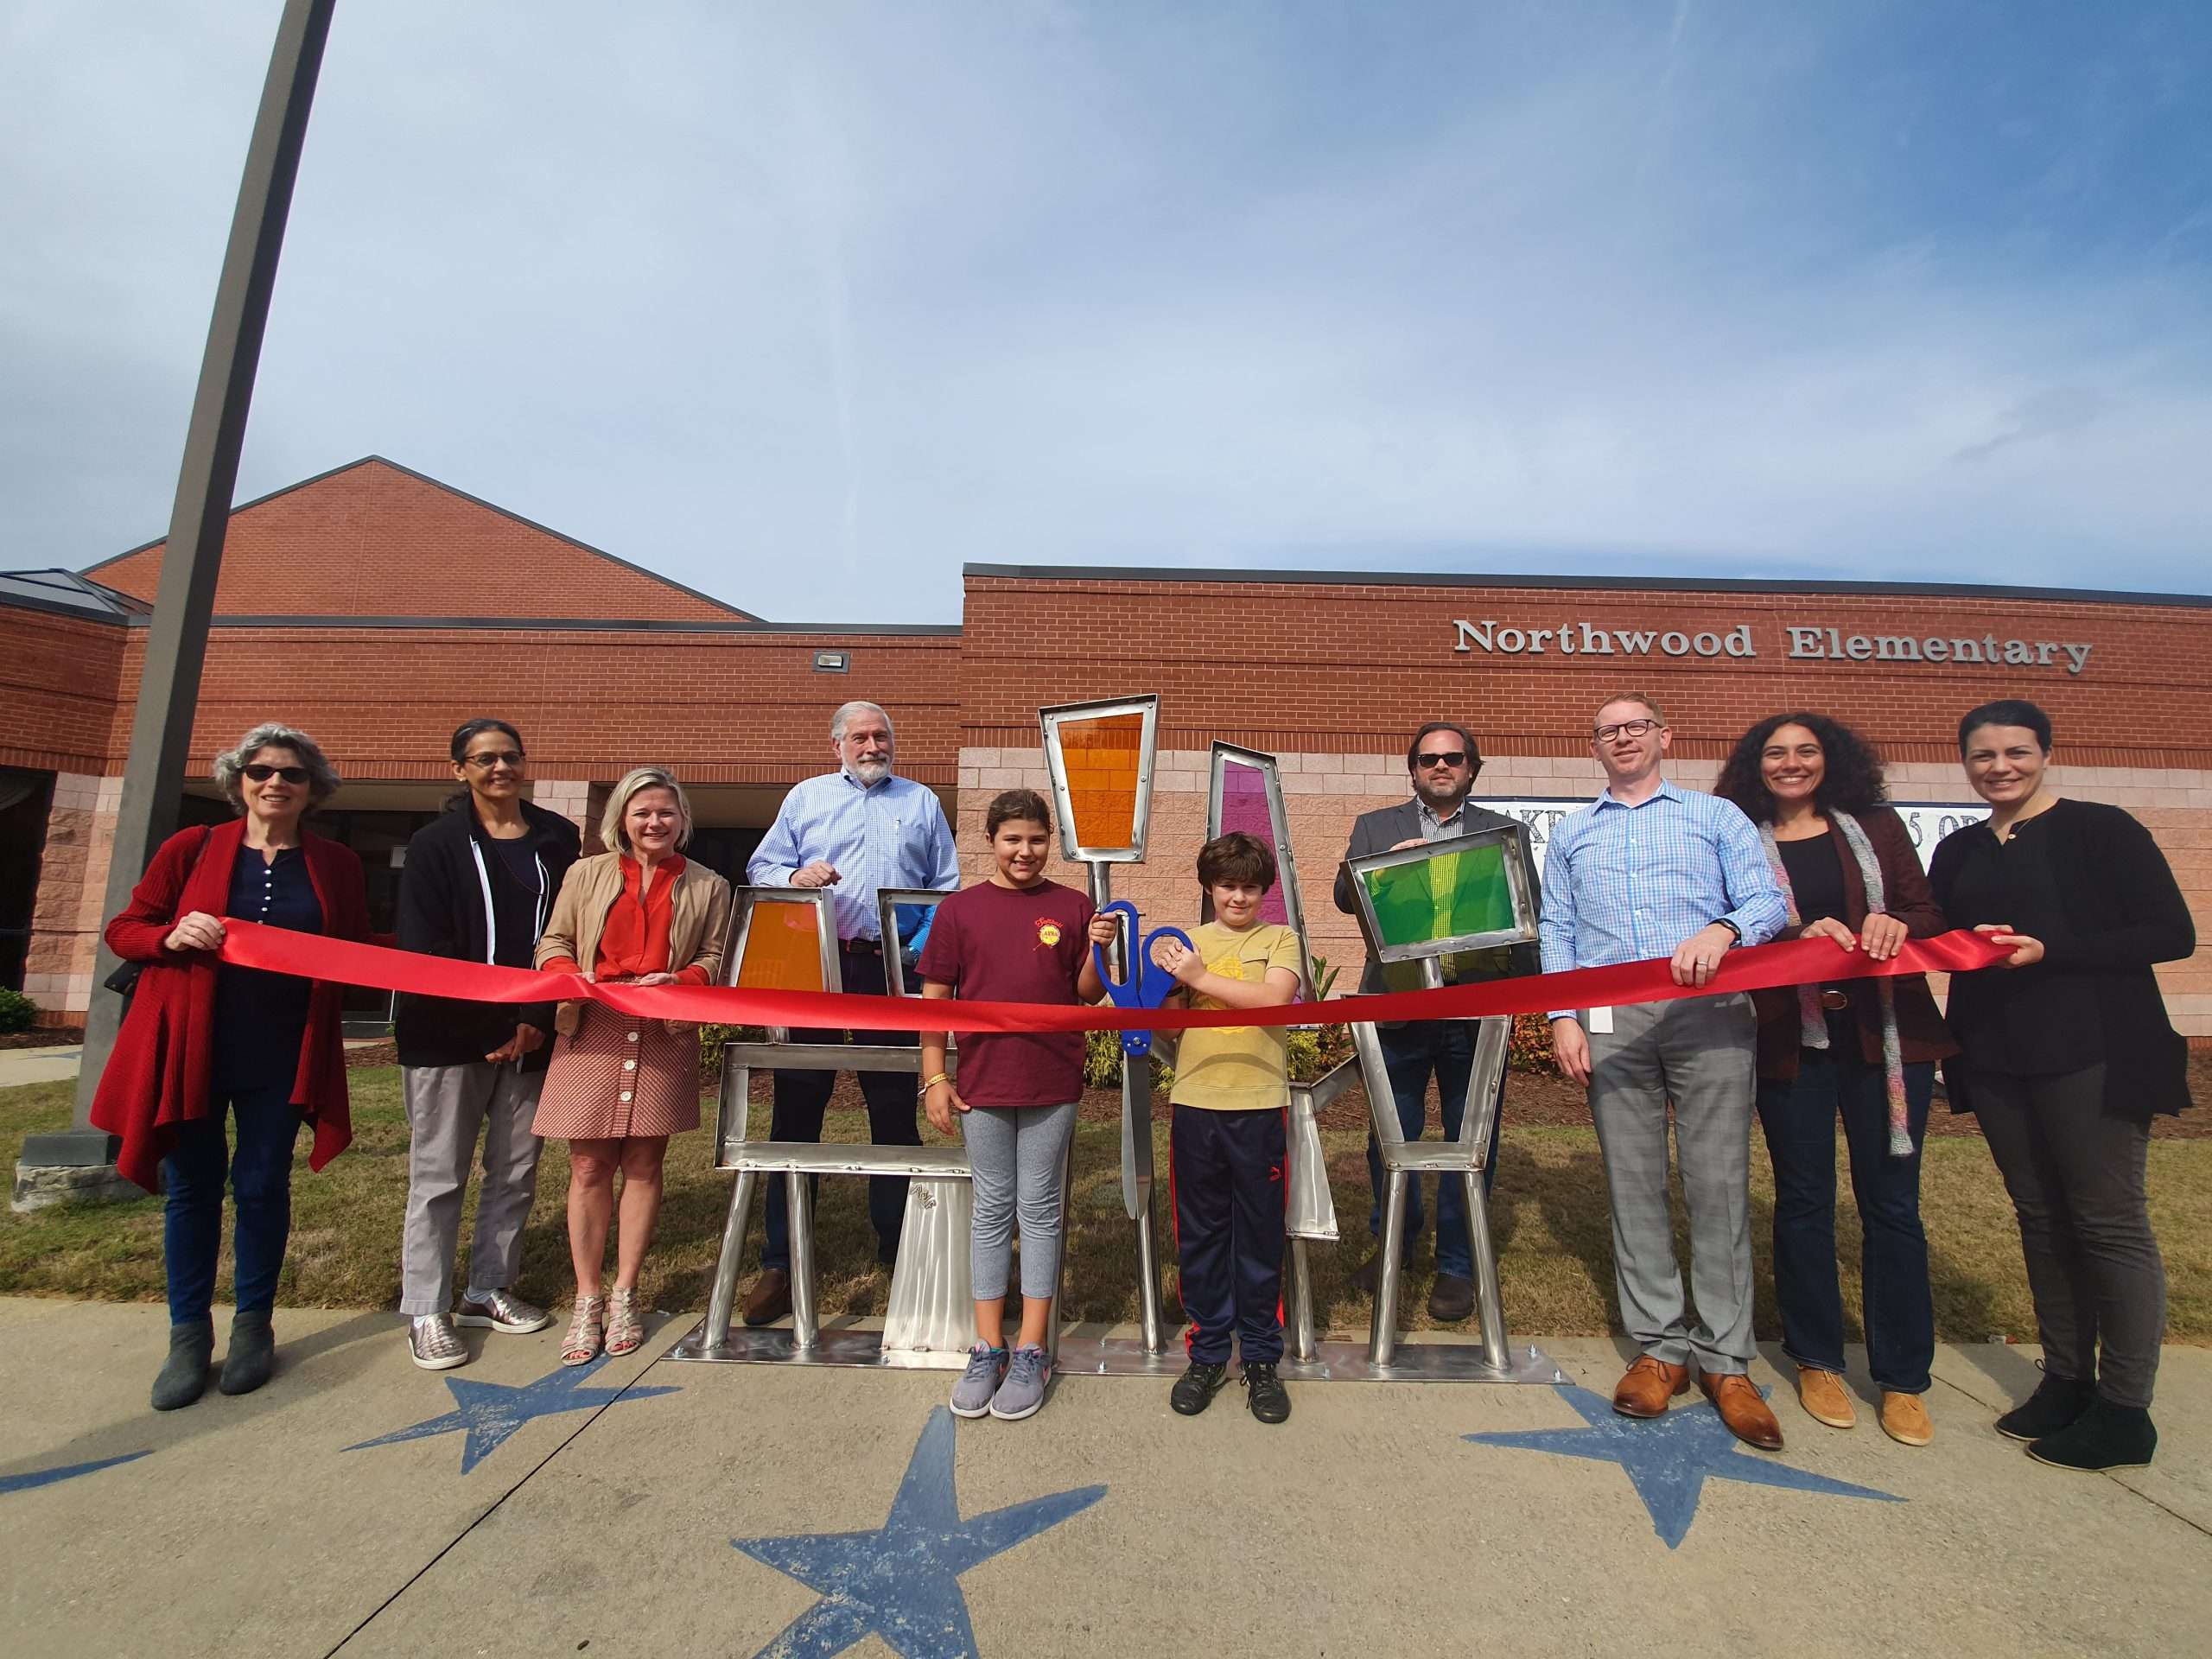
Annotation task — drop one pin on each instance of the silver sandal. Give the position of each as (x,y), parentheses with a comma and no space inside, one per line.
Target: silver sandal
(625,1328)
(585,1331)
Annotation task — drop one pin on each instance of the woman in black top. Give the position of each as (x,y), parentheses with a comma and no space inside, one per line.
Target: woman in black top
(478,885)
(2068,1055)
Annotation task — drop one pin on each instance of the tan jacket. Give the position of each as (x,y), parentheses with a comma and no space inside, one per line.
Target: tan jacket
(698,926)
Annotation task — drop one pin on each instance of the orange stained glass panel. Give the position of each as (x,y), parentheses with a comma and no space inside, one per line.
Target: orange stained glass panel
(782,951)
(1102,757)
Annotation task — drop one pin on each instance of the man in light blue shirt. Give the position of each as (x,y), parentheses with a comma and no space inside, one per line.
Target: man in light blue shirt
(1651,871)
(852,831)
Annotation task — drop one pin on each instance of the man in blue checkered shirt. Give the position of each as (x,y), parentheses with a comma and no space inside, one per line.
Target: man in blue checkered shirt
(1651,871)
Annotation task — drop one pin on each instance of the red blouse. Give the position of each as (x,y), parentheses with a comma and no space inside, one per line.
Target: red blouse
(633,941)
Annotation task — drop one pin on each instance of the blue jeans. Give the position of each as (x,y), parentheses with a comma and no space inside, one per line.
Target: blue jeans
(261,1185)
(1411,1053)
(1799,1118)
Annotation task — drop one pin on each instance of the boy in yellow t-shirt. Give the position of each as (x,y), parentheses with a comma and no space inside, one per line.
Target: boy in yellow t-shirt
(1226,1150)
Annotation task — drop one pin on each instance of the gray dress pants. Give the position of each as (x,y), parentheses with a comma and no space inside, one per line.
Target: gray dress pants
(448,1106)
(1699,1053)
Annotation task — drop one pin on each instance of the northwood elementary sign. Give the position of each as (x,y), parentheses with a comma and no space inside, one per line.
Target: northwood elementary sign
(1585,639)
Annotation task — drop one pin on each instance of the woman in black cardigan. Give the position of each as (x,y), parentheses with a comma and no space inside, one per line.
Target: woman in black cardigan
(2067,1056)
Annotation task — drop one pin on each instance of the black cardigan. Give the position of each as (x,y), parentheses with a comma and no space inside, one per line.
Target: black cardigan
(2124,912)
(442,914)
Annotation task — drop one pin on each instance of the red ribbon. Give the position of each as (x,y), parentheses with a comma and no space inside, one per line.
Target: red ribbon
(1800,962)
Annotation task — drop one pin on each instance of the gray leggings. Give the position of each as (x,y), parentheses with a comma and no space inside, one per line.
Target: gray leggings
(1018,1154)
(2076,1176)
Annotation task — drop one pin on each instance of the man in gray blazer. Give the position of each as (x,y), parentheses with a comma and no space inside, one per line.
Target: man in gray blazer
(1443,762)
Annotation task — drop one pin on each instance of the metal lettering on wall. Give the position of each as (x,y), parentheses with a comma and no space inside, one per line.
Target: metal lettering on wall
(1927,823)
(1795,642)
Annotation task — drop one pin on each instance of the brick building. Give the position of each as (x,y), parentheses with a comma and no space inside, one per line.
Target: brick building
(377,609)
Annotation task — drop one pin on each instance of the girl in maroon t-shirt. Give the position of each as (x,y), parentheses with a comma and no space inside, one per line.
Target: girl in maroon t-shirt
(1014,939)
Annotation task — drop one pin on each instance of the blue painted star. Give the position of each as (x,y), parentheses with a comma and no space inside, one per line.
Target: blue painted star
(490,1413)
(901,1581)
(64,1471)
(1668,1459)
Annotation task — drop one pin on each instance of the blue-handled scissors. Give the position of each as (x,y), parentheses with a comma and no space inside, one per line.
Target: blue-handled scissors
(1148,984)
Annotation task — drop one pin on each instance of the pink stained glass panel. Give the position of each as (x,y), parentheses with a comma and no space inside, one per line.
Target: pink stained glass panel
(1245,807)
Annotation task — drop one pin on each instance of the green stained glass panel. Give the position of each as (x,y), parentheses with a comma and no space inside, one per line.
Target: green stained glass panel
(1445,897)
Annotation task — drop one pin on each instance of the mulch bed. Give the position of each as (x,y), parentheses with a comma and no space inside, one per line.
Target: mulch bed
(41,1037)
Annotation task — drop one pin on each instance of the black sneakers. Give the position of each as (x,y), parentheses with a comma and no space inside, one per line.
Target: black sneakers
(2055,1403)
(1194,1390)
(2106,1436)
(1265,1394)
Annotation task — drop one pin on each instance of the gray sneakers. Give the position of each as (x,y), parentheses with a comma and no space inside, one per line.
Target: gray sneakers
(971,1395)
(500,1310)
(1027,1371)
(434,1343)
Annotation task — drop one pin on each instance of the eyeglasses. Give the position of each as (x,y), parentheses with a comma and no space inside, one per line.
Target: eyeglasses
(1441,758)
(485,762)
(1626,728)
(261,773)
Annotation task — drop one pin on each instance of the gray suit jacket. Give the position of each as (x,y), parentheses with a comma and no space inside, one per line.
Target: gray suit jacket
(1380,830)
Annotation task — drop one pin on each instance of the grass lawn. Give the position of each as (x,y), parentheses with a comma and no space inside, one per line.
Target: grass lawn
(1553,1234)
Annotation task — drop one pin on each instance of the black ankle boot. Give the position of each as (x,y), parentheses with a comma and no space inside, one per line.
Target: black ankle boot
(2055,1403)
(2106,1436)
(183,1375)
(252,1354)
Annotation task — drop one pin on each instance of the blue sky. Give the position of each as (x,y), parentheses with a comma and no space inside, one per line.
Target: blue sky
(806,306)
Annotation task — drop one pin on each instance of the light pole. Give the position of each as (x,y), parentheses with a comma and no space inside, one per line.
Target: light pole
(169,692)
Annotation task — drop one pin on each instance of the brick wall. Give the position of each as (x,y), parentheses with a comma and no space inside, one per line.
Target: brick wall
(373,539)
(60,680)
(1351,669)
(719,708)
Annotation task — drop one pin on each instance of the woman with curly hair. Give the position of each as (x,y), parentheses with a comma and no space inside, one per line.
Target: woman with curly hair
(1862,1049)
(205,1042)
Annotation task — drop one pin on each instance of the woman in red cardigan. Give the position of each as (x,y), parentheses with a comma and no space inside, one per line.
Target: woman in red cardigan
(203,1040)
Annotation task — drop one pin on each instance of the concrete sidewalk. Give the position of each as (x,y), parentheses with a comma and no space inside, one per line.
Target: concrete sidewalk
(57,1064)
(359,1506)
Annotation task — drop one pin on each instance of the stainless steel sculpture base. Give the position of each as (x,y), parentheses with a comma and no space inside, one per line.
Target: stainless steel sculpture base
(1094,1350)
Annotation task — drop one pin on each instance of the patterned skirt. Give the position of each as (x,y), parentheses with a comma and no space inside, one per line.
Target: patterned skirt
(620,1077)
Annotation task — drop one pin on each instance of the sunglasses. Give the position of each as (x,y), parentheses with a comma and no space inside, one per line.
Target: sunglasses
(262,773)
(1442,757)
(485,762)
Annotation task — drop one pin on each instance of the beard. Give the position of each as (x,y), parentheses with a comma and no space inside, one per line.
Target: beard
(871,771)
(1441,801)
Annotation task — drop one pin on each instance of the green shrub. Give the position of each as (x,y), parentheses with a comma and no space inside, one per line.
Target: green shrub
(17,1012)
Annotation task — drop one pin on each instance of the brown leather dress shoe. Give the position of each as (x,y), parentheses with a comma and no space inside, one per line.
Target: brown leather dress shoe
(770,1298)
(1650,1384)
(1739,1403)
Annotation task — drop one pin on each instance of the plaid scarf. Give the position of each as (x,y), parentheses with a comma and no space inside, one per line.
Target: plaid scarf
(1812,1018)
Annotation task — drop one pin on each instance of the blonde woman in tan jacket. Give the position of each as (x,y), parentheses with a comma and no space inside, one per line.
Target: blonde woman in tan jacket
(619,1087)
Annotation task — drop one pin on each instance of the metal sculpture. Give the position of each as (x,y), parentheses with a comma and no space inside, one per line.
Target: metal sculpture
(1099,756)
(1422,907)
(784,938)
